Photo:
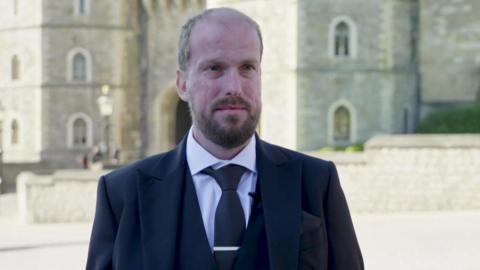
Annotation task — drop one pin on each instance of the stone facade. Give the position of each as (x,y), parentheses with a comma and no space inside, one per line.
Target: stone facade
(449,53)
(405,58)
(20,98)
(45,99)
(373,83)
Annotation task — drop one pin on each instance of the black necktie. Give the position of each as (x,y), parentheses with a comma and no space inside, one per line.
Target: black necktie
(229,216)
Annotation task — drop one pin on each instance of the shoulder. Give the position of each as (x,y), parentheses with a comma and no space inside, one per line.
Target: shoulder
(316,174)
(127,175)
(283,154)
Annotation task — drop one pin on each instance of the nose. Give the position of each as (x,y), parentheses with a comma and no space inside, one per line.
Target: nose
(233,83)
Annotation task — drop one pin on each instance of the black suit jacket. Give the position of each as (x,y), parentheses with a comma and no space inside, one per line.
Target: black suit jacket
(307,221)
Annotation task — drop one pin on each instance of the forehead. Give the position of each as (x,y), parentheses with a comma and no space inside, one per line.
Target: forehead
(224,34)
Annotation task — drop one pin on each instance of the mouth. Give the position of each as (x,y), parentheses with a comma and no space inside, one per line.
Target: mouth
(231,108)
(231,104)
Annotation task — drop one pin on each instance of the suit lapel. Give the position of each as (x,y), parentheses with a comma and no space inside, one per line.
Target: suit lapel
(280,184)
(193,251)
(159,198)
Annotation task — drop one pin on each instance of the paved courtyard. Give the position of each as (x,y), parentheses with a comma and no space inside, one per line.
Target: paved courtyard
(418,241)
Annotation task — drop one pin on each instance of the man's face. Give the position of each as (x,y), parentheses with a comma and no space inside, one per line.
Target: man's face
(223,80)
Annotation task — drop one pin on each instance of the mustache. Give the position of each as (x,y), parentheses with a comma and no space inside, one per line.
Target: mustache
(231,101)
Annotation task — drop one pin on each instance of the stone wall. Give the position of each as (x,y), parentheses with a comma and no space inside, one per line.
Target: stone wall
(412,173)
(395,173)
(449,50)
(65,196)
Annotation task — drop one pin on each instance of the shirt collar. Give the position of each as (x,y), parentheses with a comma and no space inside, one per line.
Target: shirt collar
(198,158)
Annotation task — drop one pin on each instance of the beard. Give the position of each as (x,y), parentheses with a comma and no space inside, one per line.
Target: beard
(228,132)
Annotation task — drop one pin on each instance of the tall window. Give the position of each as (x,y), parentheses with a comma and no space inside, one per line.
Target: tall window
(79,65)
(15,66)
(82,6)
(342,39)
(79,132)
(405,120)
(341,131)
(14,132)
(79,68)
(1,134)
(15,7)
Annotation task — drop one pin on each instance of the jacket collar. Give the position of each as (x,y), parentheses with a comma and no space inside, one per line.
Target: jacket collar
(280,184)
(159,201)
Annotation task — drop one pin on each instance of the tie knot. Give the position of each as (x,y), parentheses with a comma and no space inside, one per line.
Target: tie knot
(227,177)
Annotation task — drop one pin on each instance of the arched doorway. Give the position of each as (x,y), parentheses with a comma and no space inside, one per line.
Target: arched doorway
(183,120)
(341,124)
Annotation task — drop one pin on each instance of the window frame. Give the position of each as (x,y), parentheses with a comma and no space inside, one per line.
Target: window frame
(14,139)
(71,131)
(331,121)
(15,68)
(339,114)
(77,7)
(352,37)
(70,65)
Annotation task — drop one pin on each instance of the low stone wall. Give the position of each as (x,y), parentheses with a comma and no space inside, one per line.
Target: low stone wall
(412,173)
(65,196)
(395,173)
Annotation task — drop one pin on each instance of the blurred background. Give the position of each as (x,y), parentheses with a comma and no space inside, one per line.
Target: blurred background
(387,89)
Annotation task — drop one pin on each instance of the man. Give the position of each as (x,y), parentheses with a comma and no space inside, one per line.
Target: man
(223,199)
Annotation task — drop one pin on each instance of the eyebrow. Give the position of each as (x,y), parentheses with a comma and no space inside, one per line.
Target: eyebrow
(219,61)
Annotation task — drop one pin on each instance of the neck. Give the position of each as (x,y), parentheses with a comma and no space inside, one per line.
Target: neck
(215,149)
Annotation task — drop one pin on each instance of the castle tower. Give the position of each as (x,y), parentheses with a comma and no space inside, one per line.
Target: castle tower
(449,54)
(63,52)
(356,72)
(21,81)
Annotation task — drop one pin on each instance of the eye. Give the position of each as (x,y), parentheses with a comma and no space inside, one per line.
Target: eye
(214,67)
(249,67)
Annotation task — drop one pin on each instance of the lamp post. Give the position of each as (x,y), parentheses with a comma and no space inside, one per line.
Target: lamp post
(105,104)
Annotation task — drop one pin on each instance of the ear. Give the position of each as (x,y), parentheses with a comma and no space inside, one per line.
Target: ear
(181,82)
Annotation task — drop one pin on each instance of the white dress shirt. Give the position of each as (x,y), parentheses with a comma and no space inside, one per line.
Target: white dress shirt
(208,190)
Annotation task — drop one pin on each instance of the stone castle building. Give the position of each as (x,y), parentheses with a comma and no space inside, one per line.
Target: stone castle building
(334,72)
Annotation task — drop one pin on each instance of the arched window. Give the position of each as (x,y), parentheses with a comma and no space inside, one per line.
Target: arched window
(15,66)
(14,132)
(79,132)
(341,131)
(81,6)
(342,123)
(79,68)
(342,39)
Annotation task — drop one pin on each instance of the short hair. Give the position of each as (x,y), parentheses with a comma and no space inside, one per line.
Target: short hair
(186,31)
